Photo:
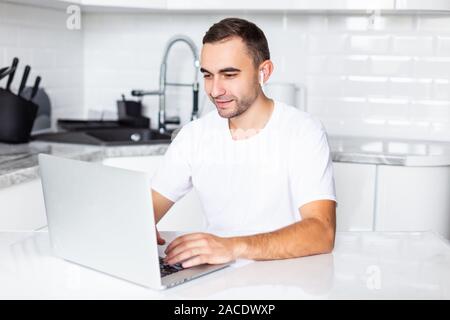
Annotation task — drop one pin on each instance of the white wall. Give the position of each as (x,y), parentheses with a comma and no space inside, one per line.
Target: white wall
(39,37)
(390,78)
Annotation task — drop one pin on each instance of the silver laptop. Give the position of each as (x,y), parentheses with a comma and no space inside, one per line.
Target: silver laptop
(102,218)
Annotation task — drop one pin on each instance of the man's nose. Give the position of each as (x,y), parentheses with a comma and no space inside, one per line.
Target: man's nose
(217,88)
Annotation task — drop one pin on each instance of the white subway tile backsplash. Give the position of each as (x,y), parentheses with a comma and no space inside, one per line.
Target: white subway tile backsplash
(434,114)
(9,35)
(2,57)
(410,88)
(348,23)
(389,78)
(366,86)
(306,23)
(438,23)
(39,38)
(43,58)
(327,43)
(326,86)
(372,44)
(335,65)
(412,45)
(357,65)
(316,64)
(435,67)
(320,106)
(360,78)
(439,129)
(441,89)
(395,23)
(391,65)
(443,46)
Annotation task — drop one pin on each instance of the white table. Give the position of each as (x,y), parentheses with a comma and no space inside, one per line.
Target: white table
(363,265)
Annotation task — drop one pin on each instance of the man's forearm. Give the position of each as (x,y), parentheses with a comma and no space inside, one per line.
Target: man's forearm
(307,237)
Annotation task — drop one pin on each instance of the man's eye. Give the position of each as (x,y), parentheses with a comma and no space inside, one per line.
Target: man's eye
(230,75)
(206,76)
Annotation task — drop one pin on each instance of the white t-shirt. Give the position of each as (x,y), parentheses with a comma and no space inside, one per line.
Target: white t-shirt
(253,185)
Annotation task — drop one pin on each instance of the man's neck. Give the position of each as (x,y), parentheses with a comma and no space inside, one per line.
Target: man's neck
(255,117)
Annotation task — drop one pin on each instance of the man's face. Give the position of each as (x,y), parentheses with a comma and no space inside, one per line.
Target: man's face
(231,79)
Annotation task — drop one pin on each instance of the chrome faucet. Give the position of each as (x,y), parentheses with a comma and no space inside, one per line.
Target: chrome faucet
(162,121)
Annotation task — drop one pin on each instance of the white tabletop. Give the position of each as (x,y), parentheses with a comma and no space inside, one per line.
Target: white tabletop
(363,265)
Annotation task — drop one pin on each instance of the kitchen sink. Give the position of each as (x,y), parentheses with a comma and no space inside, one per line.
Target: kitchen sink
(107,136)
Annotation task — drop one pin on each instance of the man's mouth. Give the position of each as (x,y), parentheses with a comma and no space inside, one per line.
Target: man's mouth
(223,103)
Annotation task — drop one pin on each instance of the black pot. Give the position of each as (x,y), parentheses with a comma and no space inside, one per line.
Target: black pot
(17,116)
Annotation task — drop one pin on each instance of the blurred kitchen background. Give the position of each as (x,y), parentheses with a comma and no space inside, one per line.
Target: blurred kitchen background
(366,73)
(376,73)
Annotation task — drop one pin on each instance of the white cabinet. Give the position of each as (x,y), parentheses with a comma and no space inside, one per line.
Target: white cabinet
(22,207)
(280,5)
(248,5)
(355,193)
(343,5)
(118,5)
(185,215)
(228,5)
(130,4)
(413,199)
(422,5)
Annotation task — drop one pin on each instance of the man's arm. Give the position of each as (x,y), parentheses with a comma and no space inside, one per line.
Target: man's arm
(160,207)
(314,234)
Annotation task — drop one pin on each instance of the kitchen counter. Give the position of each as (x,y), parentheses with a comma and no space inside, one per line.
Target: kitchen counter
(18,163)
(398,152)
(363,265)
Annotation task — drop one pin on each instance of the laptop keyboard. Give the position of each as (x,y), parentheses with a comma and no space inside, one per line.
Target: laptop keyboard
(167,269)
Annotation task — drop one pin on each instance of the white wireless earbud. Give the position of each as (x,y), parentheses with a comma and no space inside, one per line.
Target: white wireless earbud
(261,77)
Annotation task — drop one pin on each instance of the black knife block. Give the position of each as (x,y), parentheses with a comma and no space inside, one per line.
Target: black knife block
(130,114)
(129,108)
(17,116)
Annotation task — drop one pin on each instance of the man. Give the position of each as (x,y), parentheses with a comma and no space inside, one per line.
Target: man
(262,169)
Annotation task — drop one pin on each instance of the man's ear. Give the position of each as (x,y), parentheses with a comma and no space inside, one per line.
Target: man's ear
(266,69)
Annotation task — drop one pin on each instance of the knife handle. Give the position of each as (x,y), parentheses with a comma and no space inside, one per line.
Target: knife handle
(26,72)
(35,87)
(11,75)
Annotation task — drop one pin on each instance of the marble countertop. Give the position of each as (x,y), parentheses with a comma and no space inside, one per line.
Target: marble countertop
(18,163)
(385,151)
(363,265)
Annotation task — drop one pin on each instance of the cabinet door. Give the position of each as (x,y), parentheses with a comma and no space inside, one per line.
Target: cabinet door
(413,199)
(185,215)
(220,5)
(355,192)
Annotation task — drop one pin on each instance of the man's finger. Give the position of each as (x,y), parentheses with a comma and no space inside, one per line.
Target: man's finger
(187,237)
(187,246)
(159,239)
(195,261)
(187,254)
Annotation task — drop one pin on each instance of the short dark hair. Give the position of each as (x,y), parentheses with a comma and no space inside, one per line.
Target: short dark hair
(249,32)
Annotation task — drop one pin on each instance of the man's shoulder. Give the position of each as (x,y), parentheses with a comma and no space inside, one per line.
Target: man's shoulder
(298,120)
(197,127)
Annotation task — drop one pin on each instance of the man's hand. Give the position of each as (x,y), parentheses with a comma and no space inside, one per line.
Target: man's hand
(159,239)
(199,248)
